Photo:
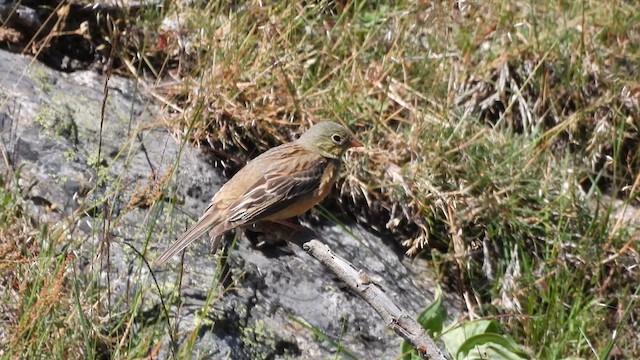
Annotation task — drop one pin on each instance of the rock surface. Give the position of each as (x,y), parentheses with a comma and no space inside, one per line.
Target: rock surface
(270,301)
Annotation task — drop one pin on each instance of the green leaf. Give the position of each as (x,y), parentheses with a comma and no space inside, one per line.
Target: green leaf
(481,339)
(407,352)
(459,333)
(490,346)
(433,316)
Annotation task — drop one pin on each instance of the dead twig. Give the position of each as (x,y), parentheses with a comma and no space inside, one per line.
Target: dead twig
(358,281)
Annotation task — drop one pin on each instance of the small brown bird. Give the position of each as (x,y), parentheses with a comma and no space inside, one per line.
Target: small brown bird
(282,183)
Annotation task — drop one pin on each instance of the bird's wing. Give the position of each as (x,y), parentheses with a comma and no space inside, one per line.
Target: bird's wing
(293,179)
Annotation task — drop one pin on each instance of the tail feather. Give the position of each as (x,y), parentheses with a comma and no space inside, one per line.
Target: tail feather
(204,223)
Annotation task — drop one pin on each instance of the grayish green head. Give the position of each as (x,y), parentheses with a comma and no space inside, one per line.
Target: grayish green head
(329,139)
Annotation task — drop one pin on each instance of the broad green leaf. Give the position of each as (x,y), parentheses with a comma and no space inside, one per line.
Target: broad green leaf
(433,316)
(457,334)
(490,346)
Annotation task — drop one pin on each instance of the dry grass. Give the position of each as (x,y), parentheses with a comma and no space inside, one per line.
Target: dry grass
(35,297)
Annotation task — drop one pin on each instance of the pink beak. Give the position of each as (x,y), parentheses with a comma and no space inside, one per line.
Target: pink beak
(355,143)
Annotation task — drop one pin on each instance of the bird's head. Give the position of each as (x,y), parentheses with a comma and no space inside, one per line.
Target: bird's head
(329,139)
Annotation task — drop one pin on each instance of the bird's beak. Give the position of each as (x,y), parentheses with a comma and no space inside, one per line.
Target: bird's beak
(355,143)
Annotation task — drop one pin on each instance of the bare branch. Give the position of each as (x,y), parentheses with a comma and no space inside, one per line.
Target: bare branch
(359,282)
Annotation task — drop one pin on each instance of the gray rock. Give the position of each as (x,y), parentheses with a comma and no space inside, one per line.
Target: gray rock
(269,302)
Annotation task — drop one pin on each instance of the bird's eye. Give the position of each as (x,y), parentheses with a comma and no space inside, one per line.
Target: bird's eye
(336,138)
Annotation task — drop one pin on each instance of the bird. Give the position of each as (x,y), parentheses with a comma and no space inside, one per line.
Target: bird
(281,183)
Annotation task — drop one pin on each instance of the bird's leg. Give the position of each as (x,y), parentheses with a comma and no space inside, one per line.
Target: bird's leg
(216,241)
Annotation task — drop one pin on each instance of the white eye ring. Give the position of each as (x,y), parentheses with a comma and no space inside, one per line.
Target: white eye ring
(337,138)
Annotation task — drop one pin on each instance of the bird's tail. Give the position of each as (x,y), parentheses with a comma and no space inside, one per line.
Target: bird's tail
(206,222)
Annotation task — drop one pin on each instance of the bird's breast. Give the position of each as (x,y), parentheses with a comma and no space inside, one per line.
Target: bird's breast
(327,180)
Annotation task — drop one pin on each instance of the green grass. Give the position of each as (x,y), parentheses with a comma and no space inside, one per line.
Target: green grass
(501,140)
(57,289)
